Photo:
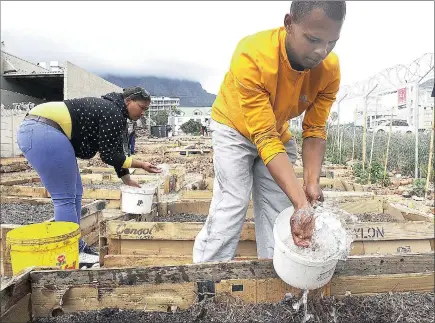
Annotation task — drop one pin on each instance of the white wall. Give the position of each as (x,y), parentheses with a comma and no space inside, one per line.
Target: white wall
(79,83)
(10,121)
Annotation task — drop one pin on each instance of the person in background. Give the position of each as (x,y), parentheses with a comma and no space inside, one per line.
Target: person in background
(204,129)
(54,134)
(132,126)
(274,76)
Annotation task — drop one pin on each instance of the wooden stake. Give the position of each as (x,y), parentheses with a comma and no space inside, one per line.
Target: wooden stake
(388,143)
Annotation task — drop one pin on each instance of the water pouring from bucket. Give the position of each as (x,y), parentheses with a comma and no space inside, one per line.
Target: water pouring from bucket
(312,267)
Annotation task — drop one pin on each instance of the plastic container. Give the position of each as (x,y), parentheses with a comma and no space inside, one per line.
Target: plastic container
(137,200)
(47,244)
(294,269)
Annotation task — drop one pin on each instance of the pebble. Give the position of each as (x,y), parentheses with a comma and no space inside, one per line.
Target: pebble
(25,213)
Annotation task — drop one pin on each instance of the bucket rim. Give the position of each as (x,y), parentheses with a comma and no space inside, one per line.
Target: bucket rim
(11,239)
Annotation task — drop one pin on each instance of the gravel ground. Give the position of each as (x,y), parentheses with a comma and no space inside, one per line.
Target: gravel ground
(386,308)
(375,217)
(185,217)
(107,185)
(25,213)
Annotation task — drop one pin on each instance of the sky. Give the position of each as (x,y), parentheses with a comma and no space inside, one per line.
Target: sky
(195,40)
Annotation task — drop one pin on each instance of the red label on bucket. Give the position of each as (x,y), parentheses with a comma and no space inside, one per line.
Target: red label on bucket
(61,260)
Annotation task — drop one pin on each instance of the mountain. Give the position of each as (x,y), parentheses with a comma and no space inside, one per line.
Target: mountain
(191,93)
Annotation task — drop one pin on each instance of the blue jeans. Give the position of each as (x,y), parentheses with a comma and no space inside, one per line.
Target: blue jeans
(131,142)
(52,156)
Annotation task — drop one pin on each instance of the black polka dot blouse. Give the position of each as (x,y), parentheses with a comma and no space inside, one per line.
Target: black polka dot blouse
(98,125)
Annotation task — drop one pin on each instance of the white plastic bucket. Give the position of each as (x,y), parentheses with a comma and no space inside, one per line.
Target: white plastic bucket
(291,267)
(137,200)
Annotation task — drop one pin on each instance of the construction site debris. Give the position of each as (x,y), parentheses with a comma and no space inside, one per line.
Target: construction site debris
(383,308)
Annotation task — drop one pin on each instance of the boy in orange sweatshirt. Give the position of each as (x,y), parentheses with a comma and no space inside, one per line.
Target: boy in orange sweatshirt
(274,76)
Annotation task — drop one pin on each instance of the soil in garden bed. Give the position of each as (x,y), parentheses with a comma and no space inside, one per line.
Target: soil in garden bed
(106,185)
(25,213)
(386,308)
(375,217)
(185,217)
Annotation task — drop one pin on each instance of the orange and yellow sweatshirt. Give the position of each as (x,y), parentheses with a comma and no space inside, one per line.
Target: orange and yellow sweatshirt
(261,92)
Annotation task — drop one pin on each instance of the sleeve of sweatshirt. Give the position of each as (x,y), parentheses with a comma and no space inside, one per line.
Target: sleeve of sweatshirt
(110,143)
(256,108)
(314,123)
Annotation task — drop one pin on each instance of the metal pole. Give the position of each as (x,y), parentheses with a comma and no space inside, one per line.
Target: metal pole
(354,133)
(416,116)
(365,126)
(373,138)
(338,120)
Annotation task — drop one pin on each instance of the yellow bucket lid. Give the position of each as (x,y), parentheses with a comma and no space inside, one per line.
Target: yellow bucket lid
(46,232)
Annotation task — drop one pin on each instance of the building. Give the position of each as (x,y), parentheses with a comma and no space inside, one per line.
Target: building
(163,103)
(400,102)
(199,114)
(24,84)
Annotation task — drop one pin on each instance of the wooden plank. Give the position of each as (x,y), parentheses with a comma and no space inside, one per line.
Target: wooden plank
(122,261)
(5,254)
(394,212)
(149,297)
(113,204)
(360,207)
(383,231)
(101,194)
(375,284)
(27,200)
(17,190)
(366,231)
(21,312)
(168,247)
(411,214)
(92,208)
(348,186)
(259,269)
(10,182)
(256,291)
(396,247)
(15,290)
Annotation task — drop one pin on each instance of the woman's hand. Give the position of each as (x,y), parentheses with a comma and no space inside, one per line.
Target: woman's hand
(126,179)
(150,168)
(302,225)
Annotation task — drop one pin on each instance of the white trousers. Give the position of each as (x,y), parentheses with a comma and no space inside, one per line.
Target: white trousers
(238,172)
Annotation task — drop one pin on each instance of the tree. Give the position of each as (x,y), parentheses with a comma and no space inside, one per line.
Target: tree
(161,118)
(191,127)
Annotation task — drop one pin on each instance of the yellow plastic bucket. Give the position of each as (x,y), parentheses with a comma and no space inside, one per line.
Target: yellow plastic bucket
(47,244)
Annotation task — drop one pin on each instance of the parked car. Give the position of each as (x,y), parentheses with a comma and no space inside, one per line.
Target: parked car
(397,126)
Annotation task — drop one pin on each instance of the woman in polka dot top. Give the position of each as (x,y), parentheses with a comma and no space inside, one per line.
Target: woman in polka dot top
(54,134)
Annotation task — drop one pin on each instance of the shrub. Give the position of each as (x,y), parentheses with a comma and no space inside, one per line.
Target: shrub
(191,127)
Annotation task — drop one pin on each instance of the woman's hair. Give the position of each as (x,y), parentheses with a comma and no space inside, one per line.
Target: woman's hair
(136,93)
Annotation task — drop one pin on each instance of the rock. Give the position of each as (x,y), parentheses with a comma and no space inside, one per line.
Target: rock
(406,181)
(417,198)
(395,183)
(429,203)
(406,194)
(398,175)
